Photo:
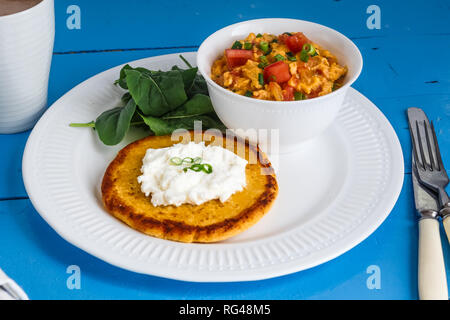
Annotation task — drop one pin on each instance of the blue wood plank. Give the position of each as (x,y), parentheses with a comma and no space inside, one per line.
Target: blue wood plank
(437,107)
(11,184)
(143,24)
(394,68)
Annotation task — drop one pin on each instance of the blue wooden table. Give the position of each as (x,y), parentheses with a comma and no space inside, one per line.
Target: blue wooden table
(406,63)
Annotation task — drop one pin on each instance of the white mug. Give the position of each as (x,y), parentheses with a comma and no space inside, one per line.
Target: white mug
(26,47)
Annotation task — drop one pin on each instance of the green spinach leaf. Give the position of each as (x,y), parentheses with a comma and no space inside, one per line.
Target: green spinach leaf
(157,93)
(195,83)
(199,104)
(122,81)
(171,84)
(161,100)
(198,86)
(122,78)
(161,126)
(112,125)
(125,98)
(188,75)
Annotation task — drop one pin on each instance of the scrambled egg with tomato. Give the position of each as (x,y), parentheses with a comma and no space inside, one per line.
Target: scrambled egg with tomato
(282,68)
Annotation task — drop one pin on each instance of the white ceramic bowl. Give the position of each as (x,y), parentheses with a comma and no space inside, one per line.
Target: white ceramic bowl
(297,121)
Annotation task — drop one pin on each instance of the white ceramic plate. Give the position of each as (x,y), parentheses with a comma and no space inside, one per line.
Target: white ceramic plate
(334,192)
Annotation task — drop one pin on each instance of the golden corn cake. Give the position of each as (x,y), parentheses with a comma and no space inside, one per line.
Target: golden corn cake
(208,222)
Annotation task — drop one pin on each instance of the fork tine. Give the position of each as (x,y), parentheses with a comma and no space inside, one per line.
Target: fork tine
(423,163)
(430,151)
(438,152)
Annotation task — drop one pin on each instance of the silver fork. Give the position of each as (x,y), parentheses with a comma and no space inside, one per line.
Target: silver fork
(430,167)
(429,164)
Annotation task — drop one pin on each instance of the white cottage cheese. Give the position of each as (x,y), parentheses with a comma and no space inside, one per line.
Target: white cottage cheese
(168,184)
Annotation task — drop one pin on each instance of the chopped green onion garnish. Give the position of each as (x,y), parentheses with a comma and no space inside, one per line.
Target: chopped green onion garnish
(309,48)
(198,160)
(188,160)
(279,57)
(273,78)
(175,161)
(237,45)
(249,93)
(299,96)
(207,168)
(248,45)
(291,56)
(259,35)
(264,46)
(197,167)
(336,86)
(307,51)
(261,79)
(304,56)
(288,33)
(264,62)
(275,40)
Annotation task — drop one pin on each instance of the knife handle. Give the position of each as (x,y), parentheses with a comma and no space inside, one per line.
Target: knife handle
(432,277)
(446,223)
(445,214)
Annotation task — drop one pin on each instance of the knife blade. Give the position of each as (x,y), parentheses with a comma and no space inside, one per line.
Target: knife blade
(431,276)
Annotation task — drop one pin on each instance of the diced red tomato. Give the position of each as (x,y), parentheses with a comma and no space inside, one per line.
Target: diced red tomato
(278,72)
(288,93)
(296,41)
(237,57)
(283,37)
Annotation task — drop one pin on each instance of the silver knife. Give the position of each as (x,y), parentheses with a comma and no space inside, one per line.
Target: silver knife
(432,277)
